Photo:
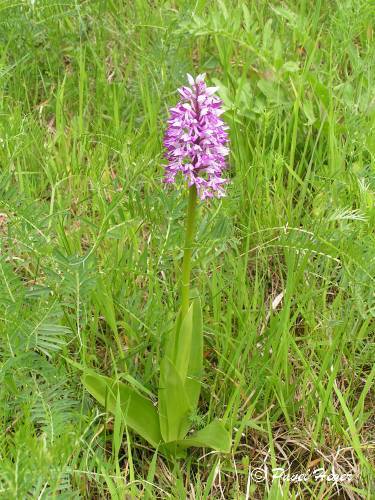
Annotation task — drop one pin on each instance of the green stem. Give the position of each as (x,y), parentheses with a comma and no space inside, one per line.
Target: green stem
(189,239)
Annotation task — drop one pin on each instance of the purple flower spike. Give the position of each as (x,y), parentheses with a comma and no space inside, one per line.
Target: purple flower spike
(196,139)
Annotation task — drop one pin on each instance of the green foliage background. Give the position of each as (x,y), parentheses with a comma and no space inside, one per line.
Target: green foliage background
(91,242)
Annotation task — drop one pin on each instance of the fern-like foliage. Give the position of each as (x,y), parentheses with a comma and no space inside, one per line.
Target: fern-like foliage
(39,407)
(73,280)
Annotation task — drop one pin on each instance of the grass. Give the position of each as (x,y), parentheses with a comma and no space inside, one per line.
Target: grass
(91,243)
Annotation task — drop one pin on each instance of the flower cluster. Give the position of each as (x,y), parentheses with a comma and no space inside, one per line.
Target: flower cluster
(196,139)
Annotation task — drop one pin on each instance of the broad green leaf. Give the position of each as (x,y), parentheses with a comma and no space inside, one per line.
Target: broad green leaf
(214,436)
(177,347)
(170,345)
(195,369)
(183,345)
(180,374)
(174,407)
(138,412)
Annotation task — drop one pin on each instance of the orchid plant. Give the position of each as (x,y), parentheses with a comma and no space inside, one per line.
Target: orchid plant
(196,143)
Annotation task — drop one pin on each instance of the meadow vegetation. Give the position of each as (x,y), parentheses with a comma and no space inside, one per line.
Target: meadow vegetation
(91,243)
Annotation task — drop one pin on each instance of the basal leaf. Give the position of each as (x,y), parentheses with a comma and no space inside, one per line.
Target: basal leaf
(170,344)
(195,368)
(174,407)
(138,412)
(214,436)
(180,374)
(183,345)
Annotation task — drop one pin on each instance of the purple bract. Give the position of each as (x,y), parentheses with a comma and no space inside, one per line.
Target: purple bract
(196,139)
